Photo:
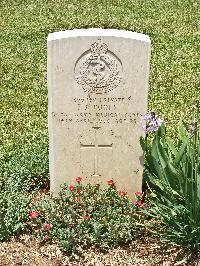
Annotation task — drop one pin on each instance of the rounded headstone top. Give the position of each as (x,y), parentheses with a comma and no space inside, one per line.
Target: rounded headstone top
(98,32)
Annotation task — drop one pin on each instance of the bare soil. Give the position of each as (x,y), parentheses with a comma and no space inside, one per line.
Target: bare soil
(26,250)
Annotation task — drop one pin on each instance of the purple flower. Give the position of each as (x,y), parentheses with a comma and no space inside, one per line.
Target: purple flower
(149,129)
(159,121)
(193,127)
(152,122)
(147,117)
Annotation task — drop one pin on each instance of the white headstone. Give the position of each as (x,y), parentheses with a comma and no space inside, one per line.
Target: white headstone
(98,87)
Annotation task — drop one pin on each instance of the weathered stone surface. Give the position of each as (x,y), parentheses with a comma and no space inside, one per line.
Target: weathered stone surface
(98,86)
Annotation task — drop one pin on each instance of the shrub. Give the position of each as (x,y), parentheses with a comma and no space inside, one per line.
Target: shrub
(30,166)
(174,181)
(85,215)
(14,205)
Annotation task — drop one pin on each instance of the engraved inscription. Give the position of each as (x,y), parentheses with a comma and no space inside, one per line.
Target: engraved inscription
(98,70)
(98,111)
(99,117)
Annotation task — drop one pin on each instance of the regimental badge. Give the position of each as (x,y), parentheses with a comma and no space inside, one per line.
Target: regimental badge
(98,70)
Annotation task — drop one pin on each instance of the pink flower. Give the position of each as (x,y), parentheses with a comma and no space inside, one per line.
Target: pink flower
(140,204)
(71,188)
(47,227)
(111,182)
(86,217)
(78,179)
(122,193)
(138,194)
(33,214)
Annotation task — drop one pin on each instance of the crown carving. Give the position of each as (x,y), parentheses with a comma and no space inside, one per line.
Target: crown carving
(99,47)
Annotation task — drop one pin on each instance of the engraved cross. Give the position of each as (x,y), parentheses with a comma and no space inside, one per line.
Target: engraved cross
(96,147)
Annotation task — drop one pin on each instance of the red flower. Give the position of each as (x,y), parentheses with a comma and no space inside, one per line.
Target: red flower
(78,191)
(138,194)
(78,179)
(71,188)
(47,227)
(86,217)
(33,214)
(122,193)
(111,182)
(140,204)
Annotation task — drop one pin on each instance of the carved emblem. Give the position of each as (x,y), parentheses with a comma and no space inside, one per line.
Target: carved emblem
(98,70)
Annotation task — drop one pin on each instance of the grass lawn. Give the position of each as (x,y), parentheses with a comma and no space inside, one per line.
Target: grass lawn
(25,25)
(171,25)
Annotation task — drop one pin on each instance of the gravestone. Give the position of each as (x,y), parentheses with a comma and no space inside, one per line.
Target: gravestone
(98,86)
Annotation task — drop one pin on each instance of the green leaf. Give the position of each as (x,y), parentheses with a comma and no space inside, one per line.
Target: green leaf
(181,152)
(154,151)
(182,132)
(163,158)
(171,146)
(162,131)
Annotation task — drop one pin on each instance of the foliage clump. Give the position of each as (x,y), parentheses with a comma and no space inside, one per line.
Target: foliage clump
(173,177)
(14,205)
(85,215)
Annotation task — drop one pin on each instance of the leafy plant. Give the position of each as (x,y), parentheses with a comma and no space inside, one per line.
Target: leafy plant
(85,215)
(174,181)
(14,205)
